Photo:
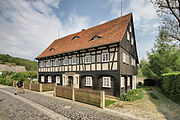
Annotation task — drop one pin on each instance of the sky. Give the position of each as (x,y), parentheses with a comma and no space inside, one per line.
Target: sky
(28,27)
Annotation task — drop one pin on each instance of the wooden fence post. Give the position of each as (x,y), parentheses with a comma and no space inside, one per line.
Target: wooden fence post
(73,97)
(102,99)
(30,85)
(40,87)
(55,87)
(14,82)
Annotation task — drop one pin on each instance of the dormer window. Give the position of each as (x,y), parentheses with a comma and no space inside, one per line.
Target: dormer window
(76,37)
(51,49)
(95,38)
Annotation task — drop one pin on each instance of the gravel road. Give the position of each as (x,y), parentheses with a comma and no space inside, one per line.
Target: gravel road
(68,109)
(13,109)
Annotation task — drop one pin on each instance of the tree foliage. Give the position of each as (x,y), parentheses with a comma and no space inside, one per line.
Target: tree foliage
(9,60)
(163,58)
(169,12)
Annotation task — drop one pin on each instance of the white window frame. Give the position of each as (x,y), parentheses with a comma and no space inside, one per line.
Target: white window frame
(132,40)
(48,63)
(88,59)
(88,81)
(127,59)
(58,79)
(65,61)
(122,82)
(74,60)
(49,79)
(124,58)
(106,82)
(130,29)
(56,62)
(128,36)
(106,55)
(128,81)
(42,78)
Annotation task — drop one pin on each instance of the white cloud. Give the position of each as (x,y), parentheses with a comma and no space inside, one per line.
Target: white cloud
(27,28)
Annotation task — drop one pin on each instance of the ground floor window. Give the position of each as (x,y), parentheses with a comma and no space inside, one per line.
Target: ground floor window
(49,79)
(128,81)
(122,82)
(42,78)
(88,81)
(58,79)
(106,81)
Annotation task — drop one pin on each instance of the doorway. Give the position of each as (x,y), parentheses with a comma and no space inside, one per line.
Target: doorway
(70,80)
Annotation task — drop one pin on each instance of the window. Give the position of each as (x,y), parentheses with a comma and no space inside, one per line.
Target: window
(65,61)
(130,29)
(128,35)
(81,60)
(88,59)
(105,57)
(124,58)
(76,37)
(56,62)
(128,81)
(41,64)
(122,82)
(132,41)
(127,59)
(134,82)
(42,78)
(52,49)
(58,79)
(48,63)
(74,60)
(133,62)
(95,38)
(88,81)
(49,79)
(106,82)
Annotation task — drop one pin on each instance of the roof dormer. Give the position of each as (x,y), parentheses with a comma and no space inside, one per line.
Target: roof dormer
(95,38)
(52,49)
(75,37)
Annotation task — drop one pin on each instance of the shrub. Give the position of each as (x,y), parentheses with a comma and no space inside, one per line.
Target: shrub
(132,95)
(171,84)
(153,96)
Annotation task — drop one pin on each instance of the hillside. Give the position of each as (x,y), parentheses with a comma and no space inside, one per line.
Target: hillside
(29,65)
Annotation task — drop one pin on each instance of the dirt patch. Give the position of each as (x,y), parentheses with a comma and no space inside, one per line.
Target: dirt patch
(149,108)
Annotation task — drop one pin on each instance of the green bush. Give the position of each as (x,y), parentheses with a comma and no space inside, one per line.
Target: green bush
(132,95)
(171,84)
(153,96)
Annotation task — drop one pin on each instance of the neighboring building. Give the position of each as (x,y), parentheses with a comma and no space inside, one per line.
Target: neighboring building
(12,68)
(103,57)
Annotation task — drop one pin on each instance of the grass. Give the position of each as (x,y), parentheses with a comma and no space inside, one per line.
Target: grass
(132,95)
(144,88)
(108,102)
(153,96)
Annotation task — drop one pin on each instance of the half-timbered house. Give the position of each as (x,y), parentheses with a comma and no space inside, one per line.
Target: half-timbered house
(103,57)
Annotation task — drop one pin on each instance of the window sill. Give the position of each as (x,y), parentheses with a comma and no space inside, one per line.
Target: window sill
(88,85)
(106,86)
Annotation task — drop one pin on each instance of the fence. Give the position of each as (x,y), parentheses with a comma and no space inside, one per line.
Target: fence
(37,86)
(92,97)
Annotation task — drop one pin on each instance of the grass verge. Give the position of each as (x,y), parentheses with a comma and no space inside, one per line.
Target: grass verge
(108,102)
(173,98)
(144,88)
(153,96)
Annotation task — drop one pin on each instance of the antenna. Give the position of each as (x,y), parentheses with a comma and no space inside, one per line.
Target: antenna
(121,7)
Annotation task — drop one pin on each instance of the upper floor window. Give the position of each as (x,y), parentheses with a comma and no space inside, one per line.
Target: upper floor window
(132,41)
(105,57)
(65,61)
(74,60)
(88,81)
(124,58)
(88,59)
(128,35)
(56,62)
(106,82)
(133,62)
(41,63)
(81,60)
(127,59)
(48,64)
(51,49)
(130,29)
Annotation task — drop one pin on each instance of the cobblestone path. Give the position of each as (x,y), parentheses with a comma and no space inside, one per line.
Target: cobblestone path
(71,110)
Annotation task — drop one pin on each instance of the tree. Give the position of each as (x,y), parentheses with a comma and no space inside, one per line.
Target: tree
(169,12)
(163,58)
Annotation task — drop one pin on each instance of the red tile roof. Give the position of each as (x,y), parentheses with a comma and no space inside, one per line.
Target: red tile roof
(111,32)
